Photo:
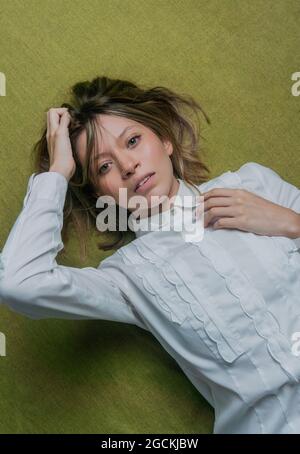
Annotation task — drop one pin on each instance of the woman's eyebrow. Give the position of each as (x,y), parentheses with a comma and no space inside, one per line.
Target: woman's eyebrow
(104,153)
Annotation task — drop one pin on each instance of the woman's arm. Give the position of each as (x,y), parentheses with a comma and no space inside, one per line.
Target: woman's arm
(267,205)
(31,281)
(296,230)
(279,191)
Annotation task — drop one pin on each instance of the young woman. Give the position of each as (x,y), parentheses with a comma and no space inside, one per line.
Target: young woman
(225,306)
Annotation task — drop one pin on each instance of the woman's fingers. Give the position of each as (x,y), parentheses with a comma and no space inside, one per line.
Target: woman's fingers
(64,121)
(223,192)
(53,118)
(217,201)
(212,215)
(58,141)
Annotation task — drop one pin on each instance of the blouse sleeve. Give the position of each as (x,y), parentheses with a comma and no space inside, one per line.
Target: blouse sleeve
(277,189)
(31,281)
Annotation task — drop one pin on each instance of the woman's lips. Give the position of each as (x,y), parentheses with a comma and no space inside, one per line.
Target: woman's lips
(145,186)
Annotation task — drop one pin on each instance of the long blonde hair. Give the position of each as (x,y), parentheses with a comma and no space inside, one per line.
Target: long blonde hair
(157,108)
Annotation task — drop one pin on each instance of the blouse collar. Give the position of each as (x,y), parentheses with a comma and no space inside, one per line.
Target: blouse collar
(159,220)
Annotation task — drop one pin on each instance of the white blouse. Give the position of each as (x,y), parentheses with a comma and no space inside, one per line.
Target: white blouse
(226,308)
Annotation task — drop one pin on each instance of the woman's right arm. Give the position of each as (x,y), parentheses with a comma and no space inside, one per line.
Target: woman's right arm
(31,281)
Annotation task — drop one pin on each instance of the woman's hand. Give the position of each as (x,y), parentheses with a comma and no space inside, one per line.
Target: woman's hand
(58,140)
(243,210)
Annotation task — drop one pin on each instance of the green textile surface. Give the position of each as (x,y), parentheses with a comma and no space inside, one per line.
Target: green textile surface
(236,58)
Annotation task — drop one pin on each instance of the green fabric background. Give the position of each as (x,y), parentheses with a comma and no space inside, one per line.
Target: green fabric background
(236,58)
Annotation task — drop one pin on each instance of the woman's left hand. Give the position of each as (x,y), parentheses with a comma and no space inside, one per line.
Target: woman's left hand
(243,210)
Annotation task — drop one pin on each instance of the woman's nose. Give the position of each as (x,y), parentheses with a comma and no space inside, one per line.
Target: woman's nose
(128,167)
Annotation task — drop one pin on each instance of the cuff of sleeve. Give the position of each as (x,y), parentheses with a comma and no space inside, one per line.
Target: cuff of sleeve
(47,185)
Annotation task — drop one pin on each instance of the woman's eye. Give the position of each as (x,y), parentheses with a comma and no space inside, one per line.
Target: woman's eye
(134,137)
(103,166)
(100,169)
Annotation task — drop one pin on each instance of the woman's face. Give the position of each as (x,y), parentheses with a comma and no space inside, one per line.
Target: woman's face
(125,156)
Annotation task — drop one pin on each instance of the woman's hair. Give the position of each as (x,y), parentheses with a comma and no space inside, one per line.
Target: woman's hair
(157,108)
